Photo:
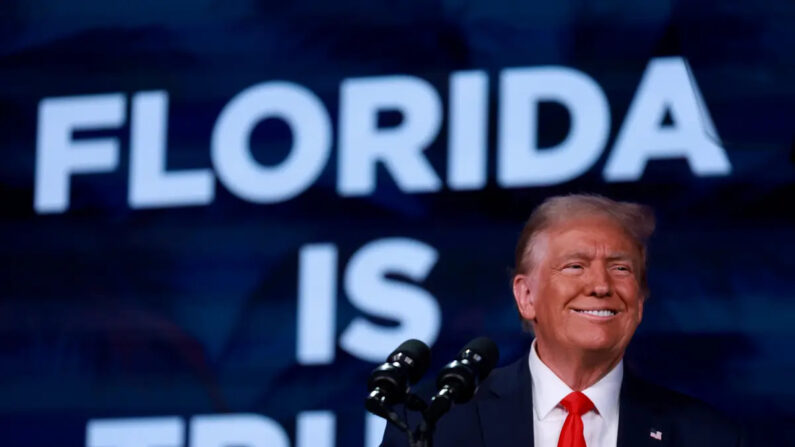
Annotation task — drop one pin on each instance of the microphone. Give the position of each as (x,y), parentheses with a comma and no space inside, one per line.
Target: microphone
(388,384)
(458,380)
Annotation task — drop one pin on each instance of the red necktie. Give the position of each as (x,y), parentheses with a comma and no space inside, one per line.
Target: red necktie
(577,404)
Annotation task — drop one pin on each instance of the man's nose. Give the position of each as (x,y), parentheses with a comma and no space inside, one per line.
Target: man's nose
(599,283)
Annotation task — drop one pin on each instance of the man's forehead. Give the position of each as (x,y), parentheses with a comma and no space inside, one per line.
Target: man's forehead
(585,237)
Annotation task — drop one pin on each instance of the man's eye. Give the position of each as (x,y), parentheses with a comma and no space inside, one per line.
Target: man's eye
(623,268)
(574,266)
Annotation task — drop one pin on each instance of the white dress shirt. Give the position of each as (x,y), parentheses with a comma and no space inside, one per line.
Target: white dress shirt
(600,425)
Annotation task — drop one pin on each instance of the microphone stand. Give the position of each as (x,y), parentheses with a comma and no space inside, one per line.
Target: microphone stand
(423,435)
(440,404)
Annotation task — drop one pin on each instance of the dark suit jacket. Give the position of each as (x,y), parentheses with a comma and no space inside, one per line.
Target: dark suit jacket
(501,415)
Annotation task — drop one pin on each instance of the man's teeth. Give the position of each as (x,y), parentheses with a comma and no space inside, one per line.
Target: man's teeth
(598,313)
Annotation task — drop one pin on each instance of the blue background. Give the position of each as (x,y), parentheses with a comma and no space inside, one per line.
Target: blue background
(107,311)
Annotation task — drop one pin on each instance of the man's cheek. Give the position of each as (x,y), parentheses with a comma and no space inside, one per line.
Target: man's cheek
(569,288)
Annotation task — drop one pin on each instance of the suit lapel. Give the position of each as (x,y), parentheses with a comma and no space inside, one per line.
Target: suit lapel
(506,413)
(640,421)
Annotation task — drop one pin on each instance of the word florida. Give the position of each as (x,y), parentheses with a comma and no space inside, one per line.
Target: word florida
(69,140)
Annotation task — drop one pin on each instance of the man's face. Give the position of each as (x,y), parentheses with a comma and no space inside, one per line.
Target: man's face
(583,290)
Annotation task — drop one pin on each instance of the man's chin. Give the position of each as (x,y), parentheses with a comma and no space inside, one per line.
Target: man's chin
(597,344)
(597,336)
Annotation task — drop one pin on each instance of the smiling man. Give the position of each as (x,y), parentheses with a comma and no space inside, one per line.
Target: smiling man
(579,286)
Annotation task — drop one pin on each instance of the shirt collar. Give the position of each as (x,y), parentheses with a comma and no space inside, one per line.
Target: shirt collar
(549,390)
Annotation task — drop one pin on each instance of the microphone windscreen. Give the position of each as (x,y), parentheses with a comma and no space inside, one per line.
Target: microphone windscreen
(486,352)
(414,353)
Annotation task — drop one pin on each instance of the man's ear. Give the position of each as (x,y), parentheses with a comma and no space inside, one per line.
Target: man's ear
(524,296)
(640,308)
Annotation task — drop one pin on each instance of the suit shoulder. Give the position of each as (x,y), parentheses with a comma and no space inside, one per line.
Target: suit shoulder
(668,398)
(688,412)
(507,379)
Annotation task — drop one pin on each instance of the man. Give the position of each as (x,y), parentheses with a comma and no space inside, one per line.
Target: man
(580,285)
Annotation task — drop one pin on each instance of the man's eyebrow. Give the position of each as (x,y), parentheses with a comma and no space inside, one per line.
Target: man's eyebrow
(620,256)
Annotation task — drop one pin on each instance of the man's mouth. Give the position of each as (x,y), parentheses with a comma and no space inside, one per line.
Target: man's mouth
(597,312)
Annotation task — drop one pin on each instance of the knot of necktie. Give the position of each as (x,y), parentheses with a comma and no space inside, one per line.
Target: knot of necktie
(577,403)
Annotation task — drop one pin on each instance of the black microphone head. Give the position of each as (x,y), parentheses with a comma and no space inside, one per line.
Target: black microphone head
(388,383)
(483,355)
(416,355)
(460,378)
